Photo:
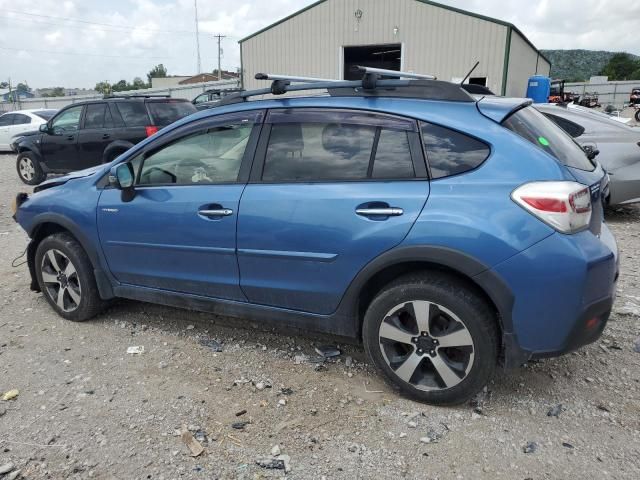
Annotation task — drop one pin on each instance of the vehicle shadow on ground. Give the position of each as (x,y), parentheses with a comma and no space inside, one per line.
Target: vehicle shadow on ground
(622,214)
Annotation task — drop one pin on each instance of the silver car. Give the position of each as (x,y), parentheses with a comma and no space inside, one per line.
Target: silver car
(619,147)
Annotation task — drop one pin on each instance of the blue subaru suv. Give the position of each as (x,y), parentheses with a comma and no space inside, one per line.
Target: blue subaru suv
(449,233)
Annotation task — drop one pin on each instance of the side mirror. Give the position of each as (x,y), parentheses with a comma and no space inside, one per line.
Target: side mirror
(44,128)
(121,176)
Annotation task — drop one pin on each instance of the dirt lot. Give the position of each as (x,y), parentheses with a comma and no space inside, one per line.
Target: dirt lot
(87,409)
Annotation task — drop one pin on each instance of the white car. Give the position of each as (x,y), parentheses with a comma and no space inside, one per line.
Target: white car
(21,121)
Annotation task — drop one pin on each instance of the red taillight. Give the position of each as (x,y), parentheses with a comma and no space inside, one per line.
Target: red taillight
(546,204)
(565,206)
(151,129)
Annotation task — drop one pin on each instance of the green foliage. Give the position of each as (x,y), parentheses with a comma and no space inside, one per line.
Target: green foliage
(54,92)
(122,86)
(579,65)
(103,87)
(159,71)
(621,67)
(23,88)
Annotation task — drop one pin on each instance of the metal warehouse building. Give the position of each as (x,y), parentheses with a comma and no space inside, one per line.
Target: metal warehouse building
(330,36)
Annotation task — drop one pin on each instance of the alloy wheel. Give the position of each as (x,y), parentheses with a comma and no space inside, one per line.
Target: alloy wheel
(27,170)
(426,345)
(61,280)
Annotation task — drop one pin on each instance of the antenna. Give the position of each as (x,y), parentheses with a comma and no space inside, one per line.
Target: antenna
(195,6)
(470,72)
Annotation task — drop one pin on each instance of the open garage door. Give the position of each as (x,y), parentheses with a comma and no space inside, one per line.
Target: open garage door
(378,56)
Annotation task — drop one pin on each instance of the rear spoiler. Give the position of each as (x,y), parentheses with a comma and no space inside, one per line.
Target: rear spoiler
(499,109)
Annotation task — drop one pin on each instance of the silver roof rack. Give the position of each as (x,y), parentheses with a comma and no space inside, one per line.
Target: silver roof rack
(393,73)
(292,78)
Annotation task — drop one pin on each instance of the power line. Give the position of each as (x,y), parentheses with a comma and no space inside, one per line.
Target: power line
(110,25)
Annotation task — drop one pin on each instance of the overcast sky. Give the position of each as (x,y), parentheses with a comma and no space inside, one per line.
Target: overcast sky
(50,47)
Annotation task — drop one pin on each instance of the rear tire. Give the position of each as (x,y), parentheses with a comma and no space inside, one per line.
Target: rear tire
(66,279)
(432,337)
(29,169)
(637,115)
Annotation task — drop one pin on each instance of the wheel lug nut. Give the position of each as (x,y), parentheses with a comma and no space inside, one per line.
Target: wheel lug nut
(432,352)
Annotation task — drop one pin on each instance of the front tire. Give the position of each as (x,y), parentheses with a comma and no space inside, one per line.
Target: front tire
(432,337)
(638,115)
(29,169)
(66,278)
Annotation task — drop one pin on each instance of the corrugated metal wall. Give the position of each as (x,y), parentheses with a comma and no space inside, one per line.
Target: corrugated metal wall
(435,40)
(523,62)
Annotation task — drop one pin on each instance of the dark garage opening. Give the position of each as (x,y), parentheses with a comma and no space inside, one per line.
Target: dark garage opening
(378,56)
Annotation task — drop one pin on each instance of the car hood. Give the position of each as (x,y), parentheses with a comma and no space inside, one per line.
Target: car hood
(54,182)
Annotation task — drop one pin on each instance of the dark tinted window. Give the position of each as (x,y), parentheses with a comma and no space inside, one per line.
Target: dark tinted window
(94,118)
(45,114)
(164,113)
(546,135)
(393,156)
(68,120)
(20,119)
(568,126)
(134,114)
(450,152)
(318,151)
(6,119)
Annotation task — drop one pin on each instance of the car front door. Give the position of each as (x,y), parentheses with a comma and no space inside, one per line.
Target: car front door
(59,146)
(6,121)
(178,233)
(96,133)
(330,192)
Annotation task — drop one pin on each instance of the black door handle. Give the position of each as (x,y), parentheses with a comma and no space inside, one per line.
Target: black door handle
(105,136)
(71,137)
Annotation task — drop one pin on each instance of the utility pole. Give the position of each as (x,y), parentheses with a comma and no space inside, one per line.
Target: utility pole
(195,6)
(219,37)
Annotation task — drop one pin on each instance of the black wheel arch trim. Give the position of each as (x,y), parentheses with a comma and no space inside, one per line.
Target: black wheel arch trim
(115,146)
(105,286)
(477,272)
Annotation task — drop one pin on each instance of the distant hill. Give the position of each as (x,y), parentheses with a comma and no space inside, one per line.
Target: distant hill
(577,65)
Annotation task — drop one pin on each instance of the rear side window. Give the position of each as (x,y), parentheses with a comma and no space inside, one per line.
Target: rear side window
(20,119)
(533,126)
(6,120)
(134,114)
(165,113)
(94,117)
(336,151)
(450,152)
(568,126)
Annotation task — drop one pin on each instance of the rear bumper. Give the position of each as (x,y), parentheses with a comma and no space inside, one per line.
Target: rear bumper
(564,289)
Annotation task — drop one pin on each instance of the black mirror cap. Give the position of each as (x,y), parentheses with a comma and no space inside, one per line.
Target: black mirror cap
(44,128)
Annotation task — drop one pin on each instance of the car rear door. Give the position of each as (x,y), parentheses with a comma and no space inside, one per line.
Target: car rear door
(178,233)
(96,132)
(330,191)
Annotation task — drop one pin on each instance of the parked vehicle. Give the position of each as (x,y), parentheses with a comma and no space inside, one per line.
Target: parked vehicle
(618,147)
(448,234)
(211,98)
(94,132)
(19,122)
(634,99)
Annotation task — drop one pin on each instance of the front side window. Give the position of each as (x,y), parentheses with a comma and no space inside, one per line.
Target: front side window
(210,156)
(537,129)
(450,152)
(203,97)
(67,121)
(317,151)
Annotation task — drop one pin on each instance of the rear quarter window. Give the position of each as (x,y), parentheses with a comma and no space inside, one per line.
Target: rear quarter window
(450,152)
(534,127)
(568,126)
(165,113)
(134,114)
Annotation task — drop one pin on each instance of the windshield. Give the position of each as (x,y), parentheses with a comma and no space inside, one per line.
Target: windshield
(546,135)
(164,113)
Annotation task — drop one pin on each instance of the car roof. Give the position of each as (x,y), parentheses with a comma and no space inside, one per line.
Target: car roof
(32,110)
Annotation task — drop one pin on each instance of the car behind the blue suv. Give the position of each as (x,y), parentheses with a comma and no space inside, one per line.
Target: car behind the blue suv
(449,235)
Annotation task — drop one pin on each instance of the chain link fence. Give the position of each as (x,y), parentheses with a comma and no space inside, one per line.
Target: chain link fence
(180,91)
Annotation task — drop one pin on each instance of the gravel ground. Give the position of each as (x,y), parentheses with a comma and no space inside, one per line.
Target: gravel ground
(87,409)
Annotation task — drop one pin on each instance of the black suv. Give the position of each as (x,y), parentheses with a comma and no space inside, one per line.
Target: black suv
(90,133)
(211,98)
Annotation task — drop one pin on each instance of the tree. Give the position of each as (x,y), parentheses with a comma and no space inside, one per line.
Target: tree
(23,88)
(4,84)
(54,92)
(121,86)
(138,84)
(620,67)
(159,71)
(103,88)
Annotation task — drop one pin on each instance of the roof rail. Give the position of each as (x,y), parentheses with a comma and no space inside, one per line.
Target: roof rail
(413,86)
(136,96)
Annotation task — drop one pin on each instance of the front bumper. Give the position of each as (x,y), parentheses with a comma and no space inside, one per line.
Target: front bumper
(564,289)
